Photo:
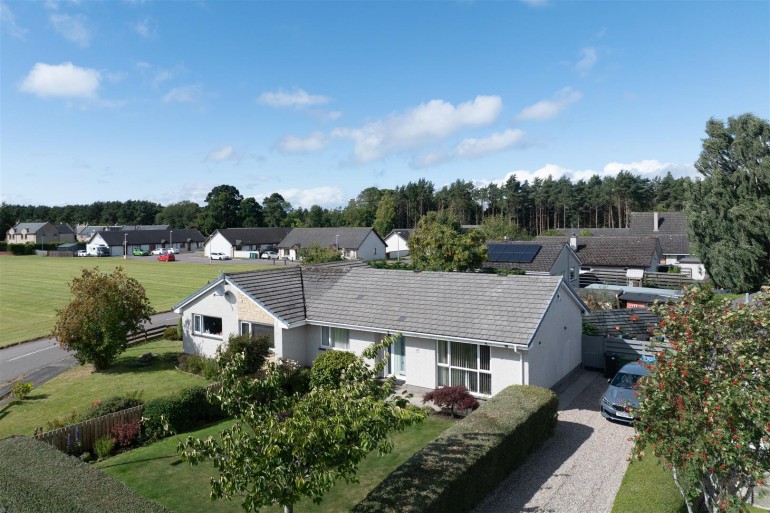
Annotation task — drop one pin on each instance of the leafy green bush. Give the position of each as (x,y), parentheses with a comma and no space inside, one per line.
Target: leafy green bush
(182,411)
(470,459)
(43,479)
(200,365)
(62,421)
(179,329)
(256,349)
(327,368)
(103,446)
(296,378)
(21,390)
(112,405)
(170,333)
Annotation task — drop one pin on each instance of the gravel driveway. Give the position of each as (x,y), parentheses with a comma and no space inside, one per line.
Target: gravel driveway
(579,469)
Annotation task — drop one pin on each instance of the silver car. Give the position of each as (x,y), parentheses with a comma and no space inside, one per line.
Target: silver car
(619,396)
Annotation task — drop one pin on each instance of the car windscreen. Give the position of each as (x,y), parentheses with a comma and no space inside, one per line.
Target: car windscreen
(623,380)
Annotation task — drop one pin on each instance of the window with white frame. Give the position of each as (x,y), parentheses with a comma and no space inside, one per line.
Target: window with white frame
(255,329)
(205,325)
(337,338)
(464,364)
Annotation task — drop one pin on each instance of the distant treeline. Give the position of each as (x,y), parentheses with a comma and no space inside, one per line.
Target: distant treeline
(543,204)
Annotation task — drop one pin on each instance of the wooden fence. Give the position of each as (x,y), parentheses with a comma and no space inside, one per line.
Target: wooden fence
(618,277)
(595,349)
(88,431)
(147,334)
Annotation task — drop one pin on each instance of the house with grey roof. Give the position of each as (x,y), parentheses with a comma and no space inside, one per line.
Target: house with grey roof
(352,243)
(39,233)
(244,242)
(483,331)
(671,229)
(613,253)
(119,240)
(551,258)
(397,243)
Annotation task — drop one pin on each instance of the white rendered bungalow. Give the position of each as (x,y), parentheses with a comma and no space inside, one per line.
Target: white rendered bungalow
(483,331)
(397,243)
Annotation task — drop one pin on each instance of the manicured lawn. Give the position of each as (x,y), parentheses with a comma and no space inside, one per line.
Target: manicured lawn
(77,388)
(156,472)
(34,287)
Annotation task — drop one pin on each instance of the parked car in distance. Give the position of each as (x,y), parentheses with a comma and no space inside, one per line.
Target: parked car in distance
(158,251)
(140,252)
(219,256)
(166,257)
(83,253)
(620,395)
(173,250)
(270,254)
(102,251)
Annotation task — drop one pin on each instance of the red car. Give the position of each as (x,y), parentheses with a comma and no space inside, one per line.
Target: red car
(166,257)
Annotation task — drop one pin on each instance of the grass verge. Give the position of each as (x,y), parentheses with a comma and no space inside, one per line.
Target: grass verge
(34,287)
(77,388)
(157,473)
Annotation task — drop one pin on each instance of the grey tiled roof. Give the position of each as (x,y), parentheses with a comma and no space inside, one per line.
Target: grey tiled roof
(349,238)
(614,251)
(64,228)
(675,244)
(543,261)
(405,233)
(598,232)
(668,222)
(30,227)
(504,309)
(280,291)
(254,235)
(137,237)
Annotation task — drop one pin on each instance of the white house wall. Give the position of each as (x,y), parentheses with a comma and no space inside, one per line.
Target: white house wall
(506,368)
(214,304)
(396,246)
(564,262)
(556,347)
(218,244)
(372,248)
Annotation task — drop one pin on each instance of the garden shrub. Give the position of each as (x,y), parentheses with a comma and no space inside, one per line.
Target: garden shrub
(455,399)
(111,405)
(103,446)
(21,390)
(255,348)
(125,435)
(182,411)
(170,333)
(296,378)
(179,329)
(327,369)
(200,365)
(470,459)
(43,479)
(61,422)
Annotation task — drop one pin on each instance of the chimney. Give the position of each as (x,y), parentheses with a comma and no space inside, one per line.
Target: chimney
(573,242)
(655,221)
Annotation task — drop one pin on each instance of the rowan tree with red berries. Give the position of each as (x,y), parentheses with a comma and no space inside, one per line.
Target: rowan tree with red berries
(704,410)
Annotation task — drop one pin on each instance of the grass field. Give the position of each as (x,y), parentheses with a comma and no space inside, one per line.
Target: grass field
(77,388)
(156,472)
(32,288)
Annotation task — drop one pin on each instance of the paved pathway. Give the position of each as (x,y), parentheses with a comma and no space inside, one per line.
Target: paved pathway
(579,469)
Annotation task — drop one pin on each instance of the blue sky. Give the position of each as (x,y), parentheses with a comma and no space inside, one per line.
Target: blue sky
(162,101)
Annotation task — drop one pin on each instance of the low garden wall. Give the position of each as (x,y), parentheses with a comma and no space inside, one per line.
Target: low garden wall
(470,459)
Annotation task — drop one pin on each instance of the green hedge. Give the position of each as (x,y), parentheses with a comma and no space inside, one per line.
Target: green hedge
(183,411)
(470,459)
(36,477)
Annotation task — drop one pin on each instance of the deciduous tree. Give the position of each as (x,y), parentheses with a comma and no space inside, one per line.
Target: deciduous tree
(104,310)
(438,244)
(705,407)
(222,210)
(385,219)
(315,254)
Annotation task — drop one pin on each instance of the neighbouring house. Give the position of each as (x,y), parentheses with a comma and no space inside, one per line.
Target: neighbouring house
(671,229)
(352,243)
(552,258)
(244,242)
(85,231)
(613,253)
(39,233)
(397,243)
(596,232)
(483,331)
(116,241)
(635,297)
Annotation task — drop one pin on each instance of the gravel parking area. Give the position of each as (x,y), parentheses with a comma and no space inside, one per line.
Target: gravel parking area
(579,469)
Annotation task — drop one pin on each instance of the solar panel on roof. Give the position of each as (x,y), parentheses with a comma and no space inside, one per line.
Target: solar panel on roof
(512,253)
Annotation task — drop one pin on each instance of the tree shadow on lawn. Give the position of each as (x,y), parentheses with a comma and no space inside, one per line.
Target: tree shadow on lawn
(144,460)
(131,364)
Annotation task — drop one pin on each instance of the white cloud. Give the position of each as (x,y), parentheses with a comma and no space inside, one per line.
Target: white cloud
(548,109)
(73,28)
(432,158)
(223,153)
(588,59)
(146,28)
(649,167)
(8,22)
(185,94)
(63,80)
(306,198)
(428,122)
(297,99)
(496,142)
(314,142)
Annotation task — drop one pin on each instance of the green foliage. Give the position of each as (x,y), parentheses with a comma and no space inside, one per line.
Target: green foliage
(222,209)
(585,233)
(171,333)
(385,264)
(104,310)
(729,209)
(200,365)
(470,459)
(328,368)
(315,254)
(500,227)
(181,412)
(385,220)
(62,421)
(438,244)
(43,479)
(255,348)
(111,405)
(305,442)
(183,214)
(295,379)
(589,329)
(552,233)
(21,389)
(704,408)
(103,446)
(179,329)
(275,210)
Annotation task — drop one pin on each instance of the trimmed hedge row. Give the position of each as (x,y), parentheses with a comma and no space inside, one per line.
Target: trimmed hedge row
(36,477)
(470,459)
(183,411)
